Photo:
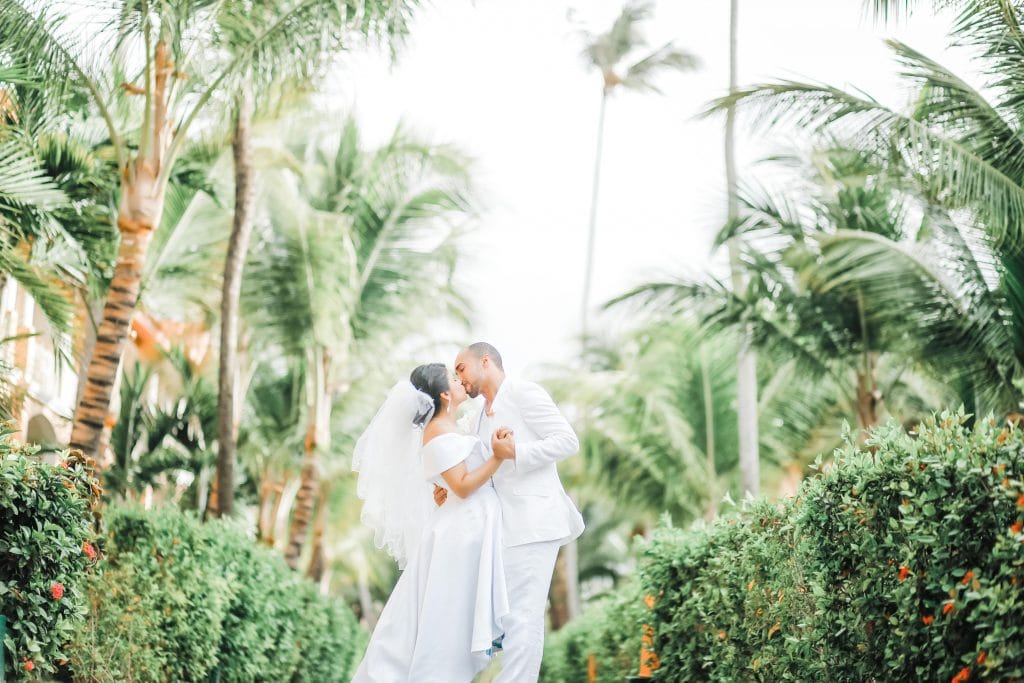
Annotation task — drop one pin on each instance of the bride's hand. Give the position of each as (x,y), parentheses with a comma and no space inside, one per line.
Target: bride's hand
(503,444)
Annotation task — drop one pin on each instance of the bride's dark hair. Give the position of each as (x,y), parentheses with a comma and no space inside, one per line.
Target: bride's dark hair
(432,380)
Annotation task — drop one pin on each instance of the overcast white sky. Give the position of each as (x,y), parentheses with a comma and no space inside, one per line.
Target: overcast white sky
(505,81)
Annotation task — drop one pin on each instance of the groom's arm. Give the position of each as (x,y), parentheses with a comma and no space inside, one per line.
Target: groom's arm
(556,439)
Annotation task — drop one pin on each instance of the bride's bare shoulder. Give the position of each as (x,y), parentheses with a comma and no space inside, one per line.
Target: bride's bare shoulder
(435,430)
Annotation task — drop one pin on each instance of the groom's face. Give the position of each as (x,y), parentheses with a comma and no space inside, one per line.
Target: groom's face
(470,372)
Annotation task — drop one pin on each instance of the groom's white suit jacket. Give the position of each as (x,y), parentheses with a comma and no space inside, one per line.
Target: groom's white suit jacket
(534,506)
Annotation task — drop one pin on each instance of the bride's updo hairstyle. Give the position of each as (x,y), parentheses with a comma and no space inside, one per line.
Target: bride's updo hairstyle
(432,380)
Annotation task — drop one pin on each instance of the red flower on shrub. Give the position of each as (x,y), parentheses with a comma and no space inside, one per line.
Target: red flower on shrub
(29,665)
(88,550)
(927,619)
(904,573)
(57,590)
(967,577)
(1017,526)
(948,607)
(961,676)
(981,657)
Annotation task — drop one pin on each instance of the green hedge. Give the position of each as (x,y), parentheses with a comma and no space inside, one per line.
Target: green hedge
(915,555)
(609,630)
(181,600)
(902,560)
(46,548)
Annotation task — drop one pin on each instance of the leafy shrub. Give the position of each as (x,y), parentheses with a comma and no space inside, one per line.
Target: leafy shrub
(46,548)
(730,602)
(902,560)
(605,639)
(916,556)
(181,600)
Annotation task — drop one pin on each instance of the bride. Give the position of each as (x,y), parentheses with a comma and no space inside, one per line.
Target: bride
(447,607)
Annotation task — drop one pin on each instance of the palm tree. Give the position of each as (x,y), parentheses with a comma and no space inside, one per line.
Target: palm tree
(959,148)
(615,54)
(746,363)
(796,306)
(654,389)
(241,233)
(350,247)
(150,74)
(622,57)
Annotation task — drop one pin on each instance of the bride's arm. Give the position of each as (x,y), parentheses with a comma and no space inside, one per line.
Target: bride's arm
(462,482)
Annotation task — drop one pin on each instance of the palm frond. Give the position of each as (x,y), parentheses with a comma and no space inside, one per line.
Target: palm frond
(24,183)
(966,179)
(45,290)
(640,75)
(905,291)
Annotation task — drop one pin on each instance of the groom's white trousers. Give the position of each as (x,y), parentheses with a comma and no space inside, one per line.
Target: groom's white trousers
(528,570)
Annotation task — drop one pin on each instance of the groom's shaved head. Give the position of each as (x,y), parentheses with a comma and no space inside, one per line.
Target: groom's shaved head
(481,349)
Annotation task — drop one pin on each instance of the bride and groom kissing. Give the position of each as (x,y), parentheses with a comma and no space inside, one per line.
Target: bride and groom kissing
(478,548)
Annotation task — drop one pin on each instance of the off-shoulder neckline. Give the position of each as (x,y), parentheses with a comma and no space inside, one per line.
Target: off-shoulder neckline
(440,436)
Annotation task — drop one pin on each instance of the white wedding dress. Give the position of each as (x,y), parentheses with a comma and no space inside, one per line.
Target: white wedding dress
(447,608)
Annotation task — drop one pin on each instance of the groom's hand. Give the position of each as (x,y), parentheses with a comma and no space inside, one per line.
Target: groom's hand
(503,444)
(440,495)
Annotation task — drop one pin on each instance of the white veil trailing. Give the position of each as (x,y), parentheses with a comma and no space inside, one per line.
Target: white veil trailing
(396,496)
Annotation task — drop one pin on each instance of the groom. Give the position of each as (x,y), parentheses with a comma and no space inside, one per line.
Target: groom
(538,516)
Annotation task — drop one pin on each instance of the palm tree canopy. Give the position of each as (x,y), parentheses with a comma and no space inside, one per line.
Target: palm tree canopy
(615,53)
(206,51)
(355,238)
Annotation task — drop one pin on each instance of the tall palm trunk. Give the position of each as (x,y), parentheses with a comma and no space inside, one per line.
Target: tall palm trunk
(139,213)
(270,498)
(317,560)
(869,398)
(746,367)
(238,246)
(564,592)
(709,434)
(318,411)
(592,234)
(366,607)
(565,586)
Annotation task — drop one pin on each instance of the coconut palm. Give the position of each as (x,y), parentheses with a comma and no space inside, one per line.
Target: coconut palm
(242,225)
(662,398)
(746,363)
(350,246)
(960,148)
(622,56)
(57,236)
(795,307)
(150,71)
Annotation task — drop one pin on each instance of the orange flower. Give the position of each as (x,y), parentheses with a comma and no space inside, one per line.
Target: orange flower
(981,657)
(927,619)
(904,573)
(1020,501)
(1017,526)
(967,577)
(963,675)
(948,607)
(29,665)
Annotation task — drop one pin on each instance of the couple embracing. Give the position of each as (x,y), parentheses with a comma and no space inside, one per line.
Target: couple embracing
(477,551)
